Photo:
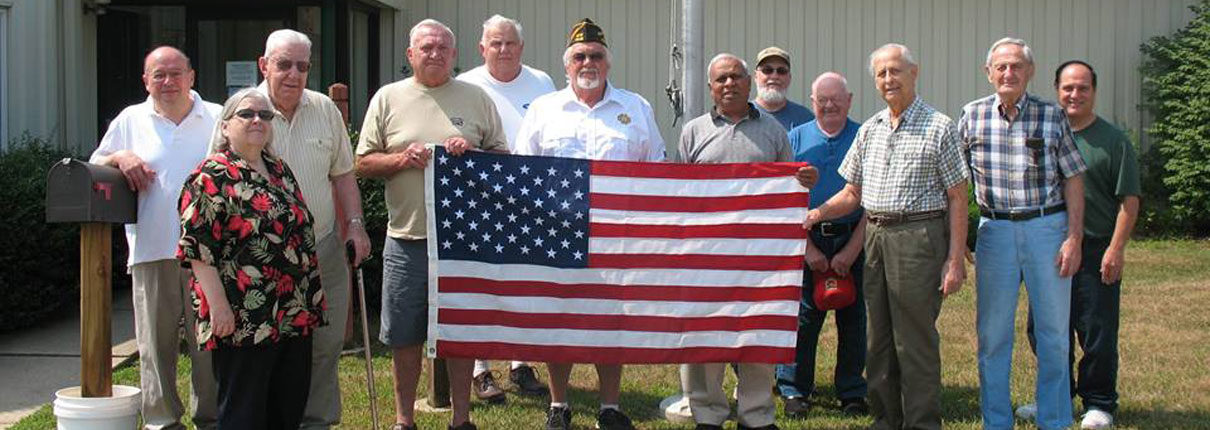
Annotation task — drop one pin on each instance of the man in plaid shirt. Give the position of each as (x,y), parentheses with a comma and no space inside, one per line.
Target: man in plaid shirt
(1027,175)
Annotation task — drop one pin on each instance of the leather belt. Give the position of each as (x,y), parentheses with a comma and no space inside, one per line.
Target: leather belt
(1021,215)
(888,219)
(830,229)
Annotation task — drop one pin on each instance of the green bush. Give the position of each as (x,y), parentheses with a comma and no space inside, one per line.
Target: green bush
(1176,91)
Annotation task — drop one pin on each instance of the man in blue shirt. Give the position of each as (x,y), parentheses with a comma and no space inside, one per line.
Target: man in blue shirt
(834,245)
(772,82)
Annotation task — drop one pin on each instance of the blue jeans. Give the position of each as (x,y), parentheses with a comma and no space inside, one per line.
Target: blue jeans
(1007,253)
(798,379)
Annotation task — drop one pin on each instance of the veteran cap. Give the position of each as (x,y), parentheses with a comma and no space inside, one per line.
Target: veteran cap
(772,51)
(833,291)
(586,31)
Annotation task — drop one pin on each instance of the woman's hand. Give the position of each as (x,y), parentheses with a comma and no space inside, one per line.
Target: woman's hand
(222,320)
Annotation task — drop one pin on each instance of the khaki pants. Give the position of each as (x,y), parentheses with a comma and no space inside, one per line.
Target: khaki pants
(903,299)
(161,302)
(323,404)
(709,404)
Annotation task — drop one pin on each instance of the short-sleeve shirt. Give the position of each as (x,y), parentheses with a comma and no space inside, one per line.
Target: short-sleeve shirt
(1113,173)
(621,127)
(791,115)
(714,138)
(810,144)
(1019,164)
(908,168)
(407,111)
(514,97)
(172,151)
(257,233)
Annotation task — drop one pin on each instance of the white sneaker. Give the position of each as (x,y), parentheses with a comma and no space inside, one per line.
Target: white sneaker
(1096,419)
(1028,412)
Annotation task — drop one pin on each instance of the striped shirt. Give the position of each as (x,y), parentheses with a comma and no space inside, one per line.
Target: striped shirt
(905,169)
(1018,164)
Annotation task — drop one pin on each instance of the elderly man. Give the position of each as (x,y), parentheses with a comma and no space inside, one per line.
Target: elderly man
(589,119)
(1111,206)
(905,168)
(310,137)
(156,144)
(402,117)
(734,132)
(1027,174)
(512,87)
(834,246)
(772,82)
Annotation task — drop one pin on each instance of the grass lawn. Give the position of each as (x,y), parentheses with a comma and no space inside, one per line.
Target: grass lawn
(1164,380)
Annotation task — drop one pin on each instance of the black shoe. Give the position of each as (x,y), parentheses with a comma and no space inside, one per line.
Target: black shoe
(613,419)
(526,381)
(768,427)
(853,407)
(797,406)
(466,425)
(486,389)
(558,418)
(707,427)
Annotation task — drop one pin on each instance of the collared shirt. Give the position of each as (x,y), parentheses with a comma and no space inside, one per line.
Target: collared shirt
(514,97)
(621,126)
(811,145)
(714,138)
(791,115)
(905,169)
(172,150)
(1018,164)
(315,144)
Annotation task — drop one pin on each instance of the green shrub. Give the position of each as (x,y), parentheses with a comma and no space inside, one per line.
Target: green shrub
(1176,91)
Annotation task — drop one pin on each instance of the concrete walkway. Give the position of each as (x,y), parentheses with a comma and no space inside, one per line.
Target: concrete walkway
(34,363)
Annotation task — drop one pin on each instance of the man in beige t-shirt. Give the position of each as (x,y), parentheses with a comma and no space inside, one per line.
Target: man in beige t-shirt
(403,116)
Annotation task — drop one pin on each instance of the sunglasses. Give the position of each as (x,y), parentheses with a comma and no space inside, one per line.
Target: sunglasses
(579,57)
(265,115)
(285,65)
(769,70)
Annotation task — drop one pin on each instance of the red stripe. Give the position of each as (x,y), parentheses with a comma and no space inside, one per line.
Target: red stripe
(673,293)
(634,202)
(615,322)
(610,355)
(733,231)
(695,261)
(694,171)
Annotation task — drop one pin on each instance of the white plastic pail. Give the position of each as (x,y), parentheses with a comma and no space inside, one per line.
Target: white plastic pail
(118,412)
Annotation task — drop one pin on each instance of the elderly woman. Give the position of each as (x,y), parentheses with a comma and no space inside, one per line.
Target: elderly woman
(246,233)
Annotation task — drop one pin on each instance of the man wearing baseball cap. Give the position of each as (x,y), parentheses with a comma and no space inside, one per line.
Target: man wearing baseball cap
(772,82)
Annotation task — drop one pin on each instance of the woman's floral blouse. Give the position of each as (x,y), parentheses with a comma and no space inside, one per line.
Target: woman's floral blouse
(257,232)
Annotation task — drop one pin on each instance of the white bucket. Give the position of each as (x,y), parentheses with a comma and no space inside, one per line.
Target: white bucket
(119,412)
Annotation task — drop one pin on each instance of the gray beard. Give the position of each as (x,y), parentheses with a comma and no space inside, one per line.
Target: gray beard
(771,95)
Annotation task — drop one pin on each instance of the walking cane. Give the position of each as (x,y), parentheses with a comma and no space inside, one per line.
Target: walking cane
(355,273)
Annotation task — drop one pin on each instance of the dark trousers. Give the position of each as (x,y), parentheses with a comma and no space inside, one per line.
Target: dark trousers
(798,379)
(263,387)
(1095,311)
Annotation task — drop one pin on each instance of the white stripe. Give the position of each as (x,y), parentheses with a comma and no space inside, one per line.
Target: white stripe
(752,216)
(694,187)
(687,277)
(747,247)
(616,338)
(552,305)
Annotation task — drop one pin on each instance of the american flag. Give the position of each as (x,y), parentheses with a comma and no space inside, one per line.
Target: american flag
(568,260)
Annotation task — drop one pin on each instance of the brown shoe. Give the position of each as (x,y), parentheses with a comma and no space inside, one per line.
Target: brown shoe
(486,389)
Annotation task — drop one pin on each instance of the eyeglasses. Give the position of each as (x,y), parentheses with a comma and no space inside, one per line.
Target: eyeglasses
(769,70)
(284,65)
(162,77)
(579,57)
(824,101)
(265,115)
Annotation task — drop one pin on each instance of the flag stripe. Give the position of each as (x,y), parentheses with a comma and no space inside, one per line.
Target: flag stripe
(614,322)
(685,277)
(748,231)
(696,204)
(694,261)
(735,218)
(677,293)
(554,305)
(694,171)
(615,338)
(713,246)
(691,188)
(510,351)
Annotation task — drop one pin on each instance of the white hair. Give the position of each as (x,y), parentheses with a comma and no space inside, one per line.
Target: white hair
(1029,53)
(498,20)
(726,56)
(567,55)
(283,38)
(904,53)
(430,23)
(830,75)
(218,142)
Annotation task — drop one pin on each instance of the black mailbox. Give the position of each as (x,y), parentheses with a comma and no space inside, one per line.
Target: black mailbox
(77,191)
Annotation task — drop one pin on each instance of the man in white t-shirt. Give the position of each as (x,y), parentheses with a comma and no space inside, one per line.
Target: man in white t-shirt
(512,86)
(156,144)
